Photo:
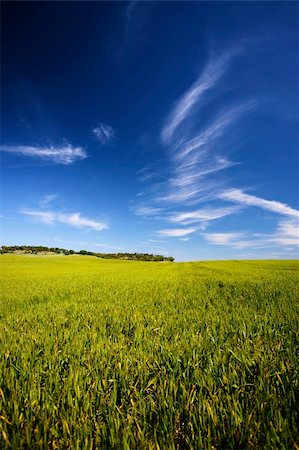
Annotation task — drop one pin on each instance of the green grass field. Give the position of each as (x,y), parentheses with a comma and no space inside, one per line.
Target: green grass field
(104,354)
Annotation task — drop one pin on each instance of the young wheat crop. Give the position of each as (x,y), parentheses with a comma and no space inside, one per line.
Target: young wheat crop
(105,354)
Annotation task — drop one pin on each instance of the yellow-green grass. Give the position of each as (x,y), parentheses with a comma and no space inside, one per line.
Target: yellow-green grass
(104,354)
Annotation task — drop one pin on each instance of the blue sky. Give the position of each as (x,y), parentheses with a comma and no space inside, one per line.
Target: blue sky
(159,127)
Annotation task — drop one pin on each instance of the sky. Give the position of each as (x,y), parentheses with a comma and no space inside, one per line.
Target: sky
(157,127)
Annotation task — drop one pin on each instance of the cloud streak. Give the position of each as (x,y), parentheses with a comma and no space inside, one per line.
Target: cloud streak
(222,238)
(147,211)
(238,196)
(75,220)
(198,156)
(65,154)
(176,232)
(212,73)
(204,214)
(198,153)
(285,235)
(49,198)
(216,129)
(197,160)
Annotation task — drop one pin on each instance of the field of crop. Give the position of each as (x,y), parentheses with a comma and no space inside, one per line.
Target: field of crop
(104,354)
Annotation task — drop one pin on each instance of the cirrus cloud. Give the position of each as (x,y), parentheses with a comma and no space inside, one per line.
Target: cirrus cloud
(62,154)
(238,196)
(176,232)
(203,214)
(75,220)
(214,70)
(285,235)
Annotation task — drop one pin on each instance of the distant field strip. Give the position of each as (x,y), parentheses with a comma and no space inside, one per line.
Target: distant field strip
(107,354)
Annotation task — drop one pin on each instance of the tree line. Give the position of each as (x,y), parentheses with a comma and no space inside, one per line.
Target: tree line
(35,250)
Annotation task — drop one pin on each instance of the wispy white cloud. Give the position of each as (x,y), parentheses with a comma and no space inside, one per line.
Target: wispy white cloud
(285,235)
(49,198)
(75,220)
(47,217)
(148,173)
(183,195)
(204,214)
(289,228)
(198,152)
(222,238)
(176,232)
(145,174)
(212,73)
(238,196)
(215,129)
(197,161)
(104,133)
(147,211)
(198,156)
(64,154)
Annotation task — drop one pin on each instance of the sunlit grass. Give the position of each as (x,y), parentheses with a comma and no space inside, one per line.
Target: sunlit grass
(138,355)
